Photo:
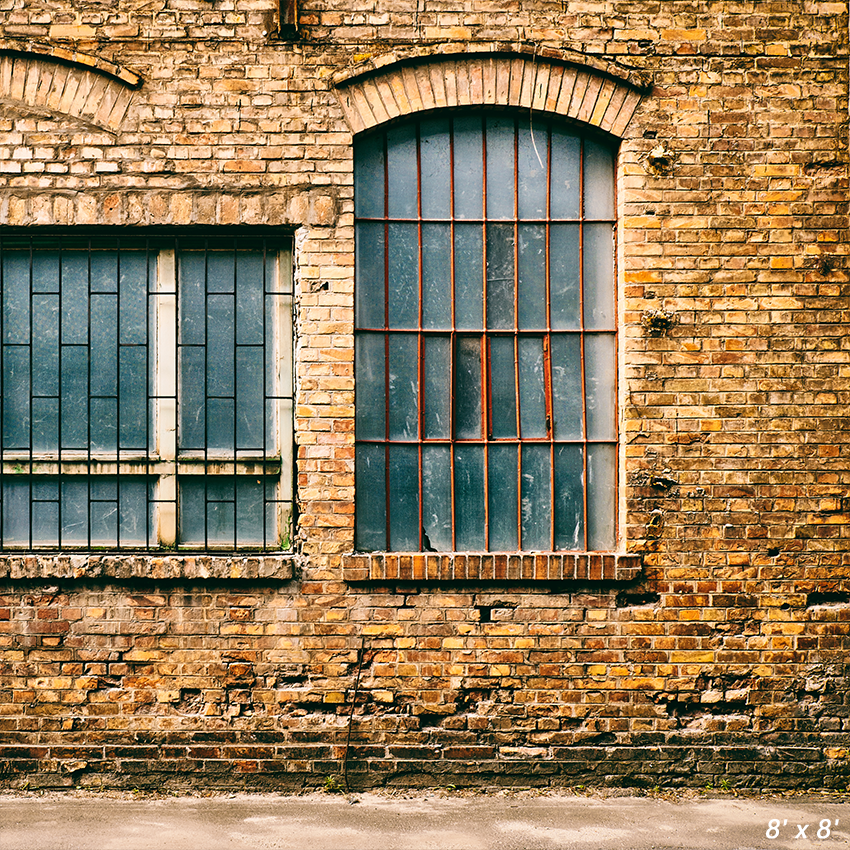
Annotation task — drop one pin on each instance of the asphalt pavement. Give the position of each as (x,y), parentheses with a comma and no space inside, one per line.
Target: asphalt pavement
(423,820)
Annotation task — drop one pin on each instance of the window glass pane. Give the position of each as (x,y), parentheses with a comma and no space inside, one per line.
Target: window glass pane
(503,388)
(436,498)
(601,491)
(502,462)
(191,288)
(74,397)
(404,498)
(500,275)
(192,389)
(249,397)
(371,510)
(104,345)
(598,181)
(45,424)
(403,254)
(469,277)
(567,398)
(402,193)
(435,160)
(533,155)
(404,387)
(370,381)
(569,497)
(468,168)
(564,276)
(16,397)
(45,345)
(532,394)
(531,299)
(369,265)
(599,383)
(133,288)
(437,395)
(227,510)
(501,141)
(132,407)
(16,297)
(469,498)
(369,177)
(252,276)
(599,276)
(536,497)
(566,161)
(75,289)
(436,276)
(467,387)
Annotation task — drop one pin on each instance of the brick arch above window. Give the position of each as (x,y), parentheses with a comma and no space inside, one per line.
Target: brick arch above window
(67,83)
(594,97)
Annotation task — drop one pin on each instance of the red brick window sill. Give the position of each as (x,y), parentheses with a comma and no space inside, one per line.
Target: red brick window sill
(489,566)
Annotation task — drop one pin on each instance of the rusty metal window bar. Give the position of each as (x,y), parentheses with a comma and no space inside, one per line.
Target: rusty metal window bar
(486,337)
(146,391)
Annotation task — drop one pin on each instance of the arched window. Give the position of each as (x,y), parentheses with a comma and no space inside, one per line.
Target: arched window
(485,359)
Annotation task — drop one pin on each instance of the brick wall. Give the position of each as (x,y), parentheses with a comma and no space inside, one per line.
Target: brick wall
(722,655)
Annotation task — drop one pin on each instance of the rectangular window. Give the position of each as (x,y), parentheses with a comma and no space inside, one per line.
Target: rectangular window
(146,391)
(485,337)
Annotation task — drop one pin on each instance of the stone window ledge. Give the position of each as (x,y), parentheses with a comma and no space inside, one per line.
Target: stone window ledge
(488,566)
(147,566)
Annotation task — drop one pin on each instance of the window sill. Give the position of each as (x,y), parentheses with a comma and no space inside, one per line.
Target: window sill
(487,566)
(161,567)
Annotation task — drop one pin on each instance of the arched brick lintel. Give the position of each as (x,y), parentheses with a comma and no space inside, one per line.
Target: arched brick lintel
(582,94)
(63,85)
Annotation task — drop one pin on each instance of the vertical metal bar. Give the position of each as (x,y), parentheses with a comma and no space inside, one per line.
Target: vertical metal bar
(387,499)
(615,281)
(453,333)
(234,302)
(2,394)
(582,333)
(59,479)
(89,401)
(420,346)
(516,342)
(484,348)
(264,412)
(206,392)
(547,368)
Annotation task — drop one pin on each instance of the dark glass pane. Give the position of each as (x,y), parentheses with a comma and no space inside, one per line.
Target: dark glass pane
(503,388)
(371,493)
(469,498)
(369,177)
(191,289)
(403,287)
(402,172)
(74,397)
(500,168)
(44,510)
(531,299)
(436,499)
(249,397)
(220,367)
(566,387)
(16,397)
(500,276)
(132,407)
(435,160)
(135,524)
(502,472)
(467,387)
(45,424)
(436,276)
(599,385)
(404,387)
(228,510)
(192,390)
(533,155)
(469,277)
(369,264)
(45,345)
(221,271)
(598,181)
(404,526)
(536,497)
(133,305)
(16,297)
(468,168)
(569,497)
(252,277)
(532,394)
(566,162)
(564,276)
(220,424)
(16,511)
(104,425)
(45,271)
(104,345)
(75,291)
(437,393)
(601,492)
(599,276)
(370,383)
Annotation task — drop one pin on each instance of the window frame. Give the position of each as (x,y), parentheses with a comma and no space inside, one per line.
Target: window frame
(487,335)
(163,463)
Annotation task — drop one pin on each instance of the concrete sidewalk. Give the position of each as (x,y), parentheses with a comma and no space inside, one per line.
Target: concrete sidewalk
(421,819)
